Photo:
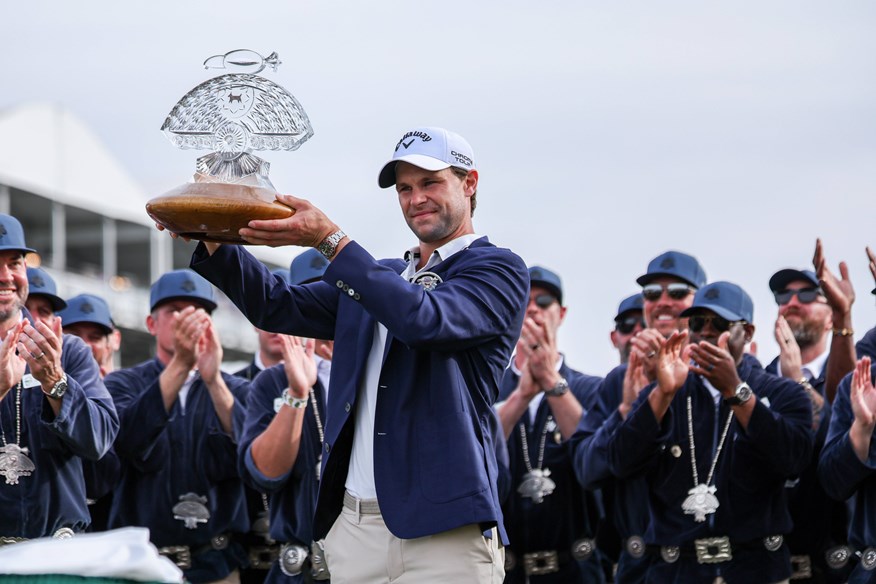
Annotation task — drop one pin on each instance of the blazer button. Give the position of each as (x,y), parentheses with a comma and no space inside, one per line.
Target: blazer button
(328,447)
(347,407)
(351,292)
(346,287)
(339,284)
(356,296)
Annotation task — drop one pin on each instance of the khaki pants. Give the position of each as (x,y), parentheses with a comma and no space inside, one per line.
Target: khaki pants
(359,548)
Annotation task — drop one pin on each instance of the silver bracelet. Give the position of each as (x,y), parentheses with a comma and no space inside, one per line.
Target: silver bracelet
(329,246)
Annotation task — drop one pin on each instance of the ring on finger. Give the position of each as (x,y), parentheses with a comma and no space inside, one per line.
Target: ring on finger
(709,367)
(651,354)
(534,347)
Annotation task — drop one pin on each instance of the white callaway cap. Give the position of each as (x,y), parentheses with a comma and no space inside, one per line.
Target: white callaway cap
(430,149)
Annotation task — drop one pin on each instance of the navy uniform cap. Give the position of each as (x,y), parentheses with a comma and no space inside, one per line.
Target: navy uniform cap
(183,285)
(40,283)
(724,299)
(782,278)
(677,265)
(539,276)
(629,304)
(307,266)
(88,308)
(12,235)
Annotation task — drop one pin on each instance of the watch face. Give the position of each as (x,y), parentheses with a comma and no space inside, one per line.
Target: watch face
(744,393)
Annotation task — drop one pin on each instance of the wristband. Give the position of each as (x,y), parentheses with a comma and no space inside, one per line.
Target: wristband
(843,332)
(299,403)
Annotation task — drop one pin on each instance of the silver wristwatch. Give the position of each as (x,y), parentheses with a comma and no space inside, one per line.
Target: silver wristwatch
(559,389)
(329,245)
(59,389)
(743,394)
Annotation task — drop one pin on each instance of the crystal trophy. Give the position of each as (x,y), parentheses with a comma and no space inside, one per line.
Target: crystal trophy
(231,116)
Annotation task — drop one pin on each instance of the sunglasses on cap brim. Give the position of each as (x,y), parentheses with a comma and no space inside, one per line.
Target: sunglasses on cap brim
(697,322)
(627,325)
(544,300)
(804,295)
(676,291)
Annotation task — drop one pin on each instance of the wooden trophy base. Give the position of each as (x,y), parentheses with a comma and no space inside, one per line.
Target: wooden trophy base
(215,212)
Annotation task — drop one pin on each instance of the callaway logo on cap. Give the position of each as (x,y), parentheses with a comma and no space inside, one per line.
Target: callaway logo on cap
(430,149)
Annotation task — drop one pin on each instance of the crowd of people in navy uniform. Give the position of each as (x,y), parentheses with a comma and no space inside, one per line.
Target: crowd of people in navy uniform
(689,461)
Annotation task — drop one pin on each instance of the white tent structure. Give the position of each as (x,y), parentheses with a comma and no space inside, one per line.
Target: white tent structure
(86,217)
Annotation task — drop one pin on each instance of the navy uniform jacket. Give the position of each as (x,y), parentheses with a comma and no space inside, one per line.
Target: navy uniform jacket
(867,345)
(292,497)
(843,475)
(569,513)
(434,452)
(168,454)
(626,501)
(101,479)
(249,372)
(750,474)
(819,523)
(54,495)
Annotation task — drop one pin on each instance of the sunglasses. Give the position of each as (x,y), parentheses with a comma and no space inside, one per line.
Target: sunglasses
(697,322)
(544,300)
(804,295)
(628,324)
(676,291)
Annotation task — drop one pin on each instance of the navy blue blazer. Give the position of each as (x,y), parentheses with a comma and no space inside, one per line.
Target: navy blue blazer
(446,350)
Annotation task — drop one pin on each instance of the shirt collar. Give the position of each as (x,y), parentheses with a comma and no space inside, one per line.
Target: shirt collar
(814,367)
(817,365)
(438,256)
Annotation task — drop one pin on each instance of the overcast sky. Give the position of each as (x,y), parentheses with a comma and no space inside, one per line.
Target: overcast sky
(605,132)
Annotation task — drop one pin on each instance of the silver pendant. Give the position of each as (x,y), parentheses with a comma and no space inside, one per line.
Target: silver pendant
(191,510)
(14,463)
(700,501)
(536,485)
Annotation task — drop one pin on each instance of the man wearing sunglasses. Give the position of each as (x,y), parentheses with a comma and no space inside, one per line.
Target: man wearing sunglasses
(668,289)
(803,332)
(627,324)
(715,438)
(550,519)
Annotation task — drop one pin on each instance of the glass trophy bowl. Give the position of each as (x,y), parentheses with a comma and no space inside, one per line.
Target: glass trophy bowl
(231,116)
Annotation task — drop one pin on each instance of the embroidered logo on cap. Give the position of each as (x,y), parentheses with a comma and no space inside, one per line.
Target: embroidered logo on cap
(428,280)
(188,286)
(86,308)
(2,230)
(417,134)
(38,282)
(712,293)
(667,263)
(461,158)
